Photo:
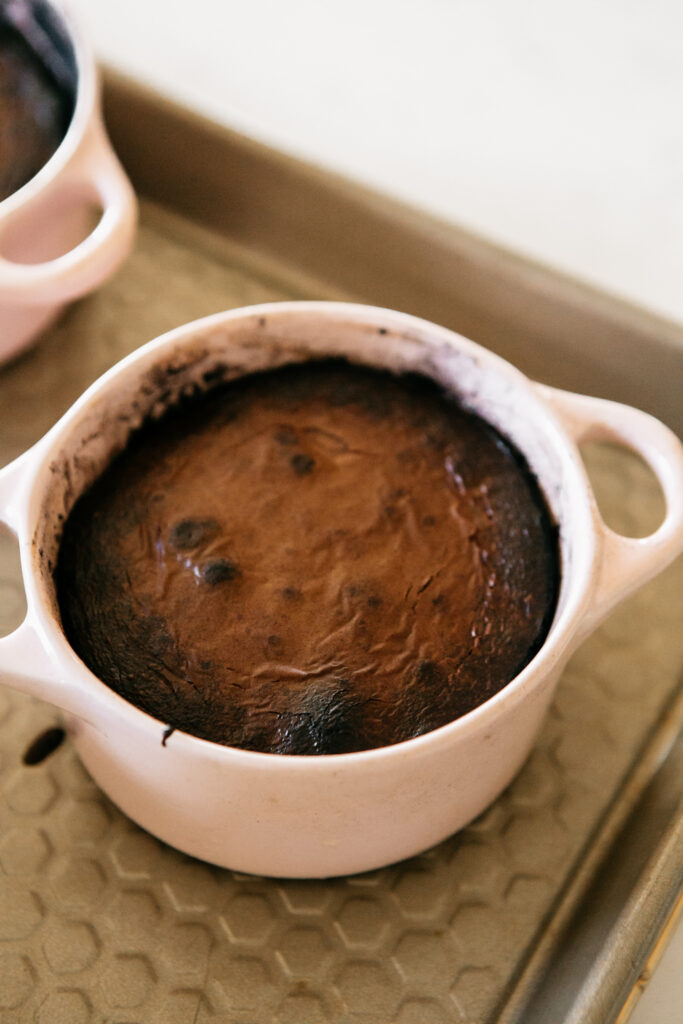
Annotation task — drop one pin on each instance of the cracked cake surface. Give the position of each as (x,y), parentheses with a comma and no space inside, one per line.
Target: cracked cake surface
(317,559)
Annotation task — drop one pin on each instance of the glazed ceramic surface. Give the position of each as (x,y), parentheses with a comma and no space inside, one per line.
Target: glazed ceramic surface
(68,228)
(327,815)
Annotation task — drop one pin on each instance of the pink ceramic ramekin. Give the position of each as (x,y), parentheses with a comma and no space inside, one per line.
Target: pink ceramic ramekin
(49,252)
(325,815)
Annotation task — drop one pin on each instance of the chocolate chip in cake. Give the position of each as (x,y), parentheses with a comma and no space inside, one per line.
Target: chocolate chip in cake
(286,435)
(190,533)
(220,570)
(302,464)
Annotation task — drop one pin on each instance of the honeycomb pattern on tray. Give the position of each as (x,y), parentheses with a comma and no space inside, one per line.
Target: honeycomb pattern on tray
(100,922)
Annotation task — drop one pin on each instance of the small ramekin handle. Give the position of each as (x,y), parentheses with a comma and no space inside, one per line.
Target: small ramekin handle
(626,562)
(96,171)
(26,660)
(26,665)
(14,478)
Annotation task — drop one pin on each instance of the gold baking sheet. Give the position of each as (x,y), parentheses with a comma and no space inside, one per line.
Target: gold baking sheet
(99,922)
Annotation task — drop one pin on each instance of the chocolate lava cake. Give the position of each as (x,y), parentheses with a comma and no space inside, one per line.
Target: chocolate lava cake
(317,559)
(35,109)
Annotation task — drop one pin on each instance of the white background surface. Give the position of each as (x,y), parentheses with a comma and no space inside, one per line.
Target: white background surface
(554,128)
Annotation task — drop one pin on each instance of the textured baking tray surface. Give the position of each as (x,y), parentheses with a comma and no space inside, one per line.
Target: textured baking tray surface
(99,922)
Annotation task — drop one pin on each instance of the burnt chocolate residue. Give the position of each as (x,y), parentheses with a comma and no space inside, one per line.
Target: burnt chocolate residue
(310,560)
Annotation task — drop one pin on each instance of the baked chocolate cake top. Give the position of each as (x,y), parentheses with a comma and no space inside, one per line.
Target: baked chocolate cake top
(317,559)
(35,108)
